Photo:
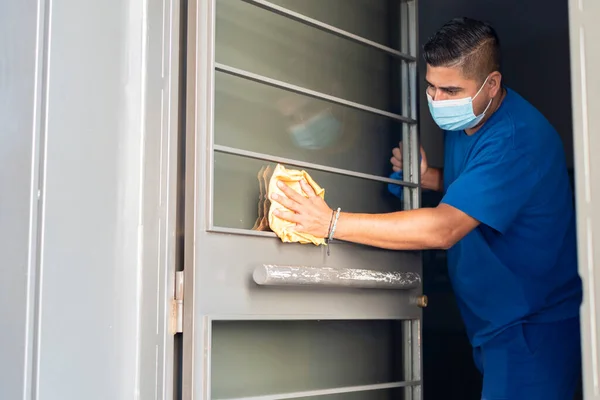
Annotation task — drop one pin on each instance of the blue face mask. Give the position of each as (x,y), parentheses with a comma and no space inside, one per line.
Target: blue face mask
(317,133)
(456,115)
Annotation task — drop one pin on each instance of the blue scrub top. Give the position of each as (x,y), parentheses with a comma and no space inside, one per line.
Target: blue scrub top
(520,264)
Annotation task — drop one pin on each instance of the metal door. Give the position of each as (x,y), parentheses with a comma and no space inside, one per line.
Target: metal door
(256,71)
(585,62)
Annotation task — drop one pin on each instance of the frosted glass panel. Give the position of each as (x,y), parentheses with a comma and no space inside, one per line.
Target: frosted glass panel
(260,118)
(253,358)
(237,189)
(268,44)
(370,19)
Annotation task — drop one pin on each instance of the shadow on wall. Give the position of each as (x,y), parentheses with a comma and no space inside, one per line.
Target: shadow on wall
(535,64)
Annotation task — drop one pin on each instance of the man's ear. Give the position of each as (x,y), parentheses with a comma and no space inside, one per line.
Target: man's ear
(494,83)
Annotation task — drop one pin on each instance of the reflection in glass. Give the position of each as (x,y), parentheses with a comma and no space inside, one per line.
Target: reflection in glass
(265,43)
(263,119)
(253,358)
(237,192)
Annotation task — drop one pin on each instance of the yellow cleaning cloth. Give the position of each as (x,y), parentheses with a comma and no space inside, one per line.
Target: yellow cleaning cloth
(285,229)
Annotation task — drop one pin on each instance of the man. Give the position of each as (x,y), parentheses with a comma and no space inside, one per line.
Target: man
(506,218)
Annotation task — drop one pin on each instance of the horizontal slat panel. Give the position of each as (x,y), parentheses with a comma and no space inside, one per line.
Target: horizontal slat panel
(266,120)
(295,359)
(264,43)
(328,28)
(237,191)
(308,92)
(301,164)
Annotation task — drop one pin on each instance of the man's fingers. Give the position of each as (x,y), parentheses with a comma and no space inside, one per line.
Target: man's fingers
(396,169)
(423,155)
(306,188)
(290,193)
(287,216)
(397,153)
(396,163)
(284,201)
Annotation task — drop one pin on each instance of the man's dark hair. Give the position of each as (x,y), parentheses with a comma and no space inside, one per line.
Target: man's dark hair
(466,43)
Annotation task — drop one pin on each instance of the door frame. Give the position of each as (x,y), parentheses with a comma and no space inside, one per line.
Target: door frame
(585,58)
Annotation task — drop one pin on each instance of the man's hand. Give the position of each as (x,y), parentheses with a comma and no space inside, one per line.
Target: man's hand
(310,214)
(431,178)
(396,160)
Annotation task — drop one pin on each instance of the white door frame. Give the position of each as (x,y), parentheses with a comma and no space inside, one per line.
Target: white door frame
(585,61)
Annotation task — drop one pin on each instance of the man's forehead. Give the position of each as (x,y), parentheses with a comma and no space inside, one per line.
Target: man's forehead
(448,77)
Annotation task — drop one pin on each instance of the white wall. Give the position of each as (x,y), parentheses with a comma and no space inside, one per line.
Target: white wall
(17,72)
(85,216)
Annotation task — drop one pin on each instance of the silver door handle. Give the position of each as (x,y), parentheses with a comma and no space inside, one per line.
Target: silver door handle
(283,275)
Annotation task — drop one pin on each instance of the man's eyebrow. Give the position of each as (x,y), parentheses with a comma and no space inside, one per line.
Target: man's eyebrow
(446,88)
(451,88)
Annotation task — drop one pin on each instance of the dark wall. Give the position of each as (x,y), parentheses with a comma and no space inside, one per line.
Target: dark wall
(535,43)
(534,35)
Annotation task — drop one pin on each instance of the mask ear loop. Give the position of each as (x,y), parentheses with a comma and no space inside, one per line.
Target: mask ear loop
(488,106)
(477,94)
(481,88)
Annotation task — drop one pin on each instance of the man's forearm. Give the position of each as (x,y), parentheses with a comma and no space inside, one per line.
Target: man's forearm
(433,179)
(405,230)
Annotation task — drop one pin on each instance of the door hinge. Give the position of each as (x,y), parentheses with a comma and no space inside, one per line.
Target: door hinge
(177,305)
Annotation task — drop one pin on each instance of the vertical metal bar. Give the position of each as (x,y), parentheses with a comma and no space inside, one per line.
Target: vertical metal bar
(171,47)
(181,198)
(407,352)
(207,359)
(417,362)
(198,178)
(410,139)
(416,358)
(411,335)
(412,196)
(414,130)
(195,14)
(406,95)
(407,332)
(210,102)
